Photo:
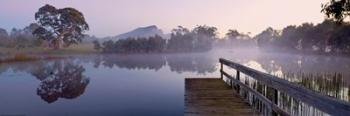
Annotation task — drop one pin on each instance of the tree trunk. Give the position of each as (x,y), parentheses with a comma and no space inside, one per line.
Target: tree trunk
(56,44)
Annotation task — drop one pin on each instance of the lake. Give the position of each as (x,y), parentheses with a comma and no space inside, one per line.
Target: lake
(149,84)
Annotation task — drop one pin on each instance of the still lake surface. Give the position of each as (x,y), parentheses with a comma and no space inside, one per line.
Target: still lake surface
(149,84)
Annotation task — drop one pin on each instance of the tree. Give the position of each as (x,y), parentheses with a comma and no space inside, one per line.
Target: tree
(289,38)
(58,26)
(198,39)
(232,34)
(340,40)
(180,39)
(266,37)
(97,45)
(207,31)
(28,34)
(3,34)
(156,43)
(4,38)
(108,46)
(233,37)
(204,37)
(337,9)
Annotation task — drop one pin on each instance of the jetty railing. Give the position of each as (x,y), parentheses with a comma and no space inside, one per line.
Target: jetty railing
(266,102)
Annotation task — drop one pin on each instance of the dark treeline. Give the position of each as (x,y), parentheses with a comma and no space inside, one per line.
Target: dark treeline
(326,37)
(19,38)
(182,39)
(24,38)
(133,45)
(235,39)
(198,39)
(330,36)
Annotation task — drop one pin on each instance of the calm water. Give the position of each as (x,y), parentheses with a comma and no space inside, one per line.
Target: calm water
(146,84)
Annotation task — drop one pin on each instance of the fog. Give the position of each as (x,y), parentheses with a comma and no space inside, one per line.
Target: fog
(159,73)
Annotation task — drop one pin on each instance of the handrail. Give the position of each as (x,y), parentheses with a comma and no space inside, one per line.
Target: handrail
(326,104)
(273,106)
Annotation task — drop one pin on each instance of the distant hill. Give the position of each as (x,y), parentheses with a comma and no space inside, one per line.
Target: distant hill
(89,38)
(139,32)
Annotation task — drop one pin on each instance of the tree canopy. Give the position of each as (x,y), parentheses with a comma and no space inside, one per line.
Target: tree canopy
(326,37)
(198,39)
(60,26)
(337,9)
(233,34)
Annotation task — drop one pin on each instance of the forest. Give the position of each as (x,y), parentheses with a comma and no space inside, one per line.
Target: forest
(181,40)
(56,28)
(326,37)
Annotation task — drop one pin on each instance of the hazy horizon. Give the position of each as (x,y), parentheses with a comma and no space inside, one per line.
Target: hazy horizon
(282,57)
(113,17)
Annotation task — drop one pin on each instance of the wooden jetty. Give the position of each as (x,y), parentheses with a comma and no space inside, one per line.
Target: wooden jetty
(232,95)
(213,97)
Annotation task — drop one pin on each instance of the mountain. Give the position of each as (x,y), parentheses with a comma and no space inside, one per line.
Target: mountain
(140,32)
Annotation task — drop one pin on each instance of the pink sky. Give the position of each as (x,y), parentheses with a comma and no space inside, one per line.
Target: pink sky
(112,17)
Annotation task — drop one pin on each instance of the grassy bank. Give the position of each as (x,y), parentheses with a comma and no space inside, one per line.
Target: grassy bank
(26,58)
(8,55)
(73,49)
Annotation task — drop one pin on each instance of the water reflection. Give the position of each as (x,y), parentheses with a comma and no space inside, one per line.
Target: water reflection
(331,84)
(68,78)
(304,63)
(64,78)
(132,62)
(192,63)
(60,79)
(199,63)
(328,75)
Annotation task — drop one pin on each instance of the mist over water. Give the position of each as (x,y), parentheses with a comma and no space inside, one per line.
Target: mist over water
(151,84)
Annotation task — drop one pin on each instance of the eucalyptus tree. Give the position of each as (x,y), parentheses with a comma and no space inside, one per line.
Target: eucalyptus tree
(60,26)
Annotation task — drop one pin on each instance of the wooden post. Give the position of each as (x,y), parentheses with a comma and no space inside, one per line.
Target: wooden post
(238,78)
(221,69)
(275,100)
(276,96)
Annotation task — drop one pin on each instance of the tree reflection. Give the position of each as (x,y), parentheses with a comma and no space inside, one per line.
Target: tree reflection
(198,63)
(61,79)
(132,62)
(304,63)
(201,64)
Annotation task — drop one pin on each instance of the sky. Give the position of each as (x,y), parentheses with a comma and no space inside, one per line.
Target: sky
(112,17)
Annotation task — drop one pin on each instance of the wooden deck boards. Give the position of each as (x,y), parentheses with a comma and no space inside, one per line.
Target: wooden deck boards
(213,97)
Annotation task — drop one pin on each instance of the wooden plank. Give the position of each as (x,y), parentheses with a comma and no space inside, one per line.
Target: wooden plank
(213,97)
(324,103)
